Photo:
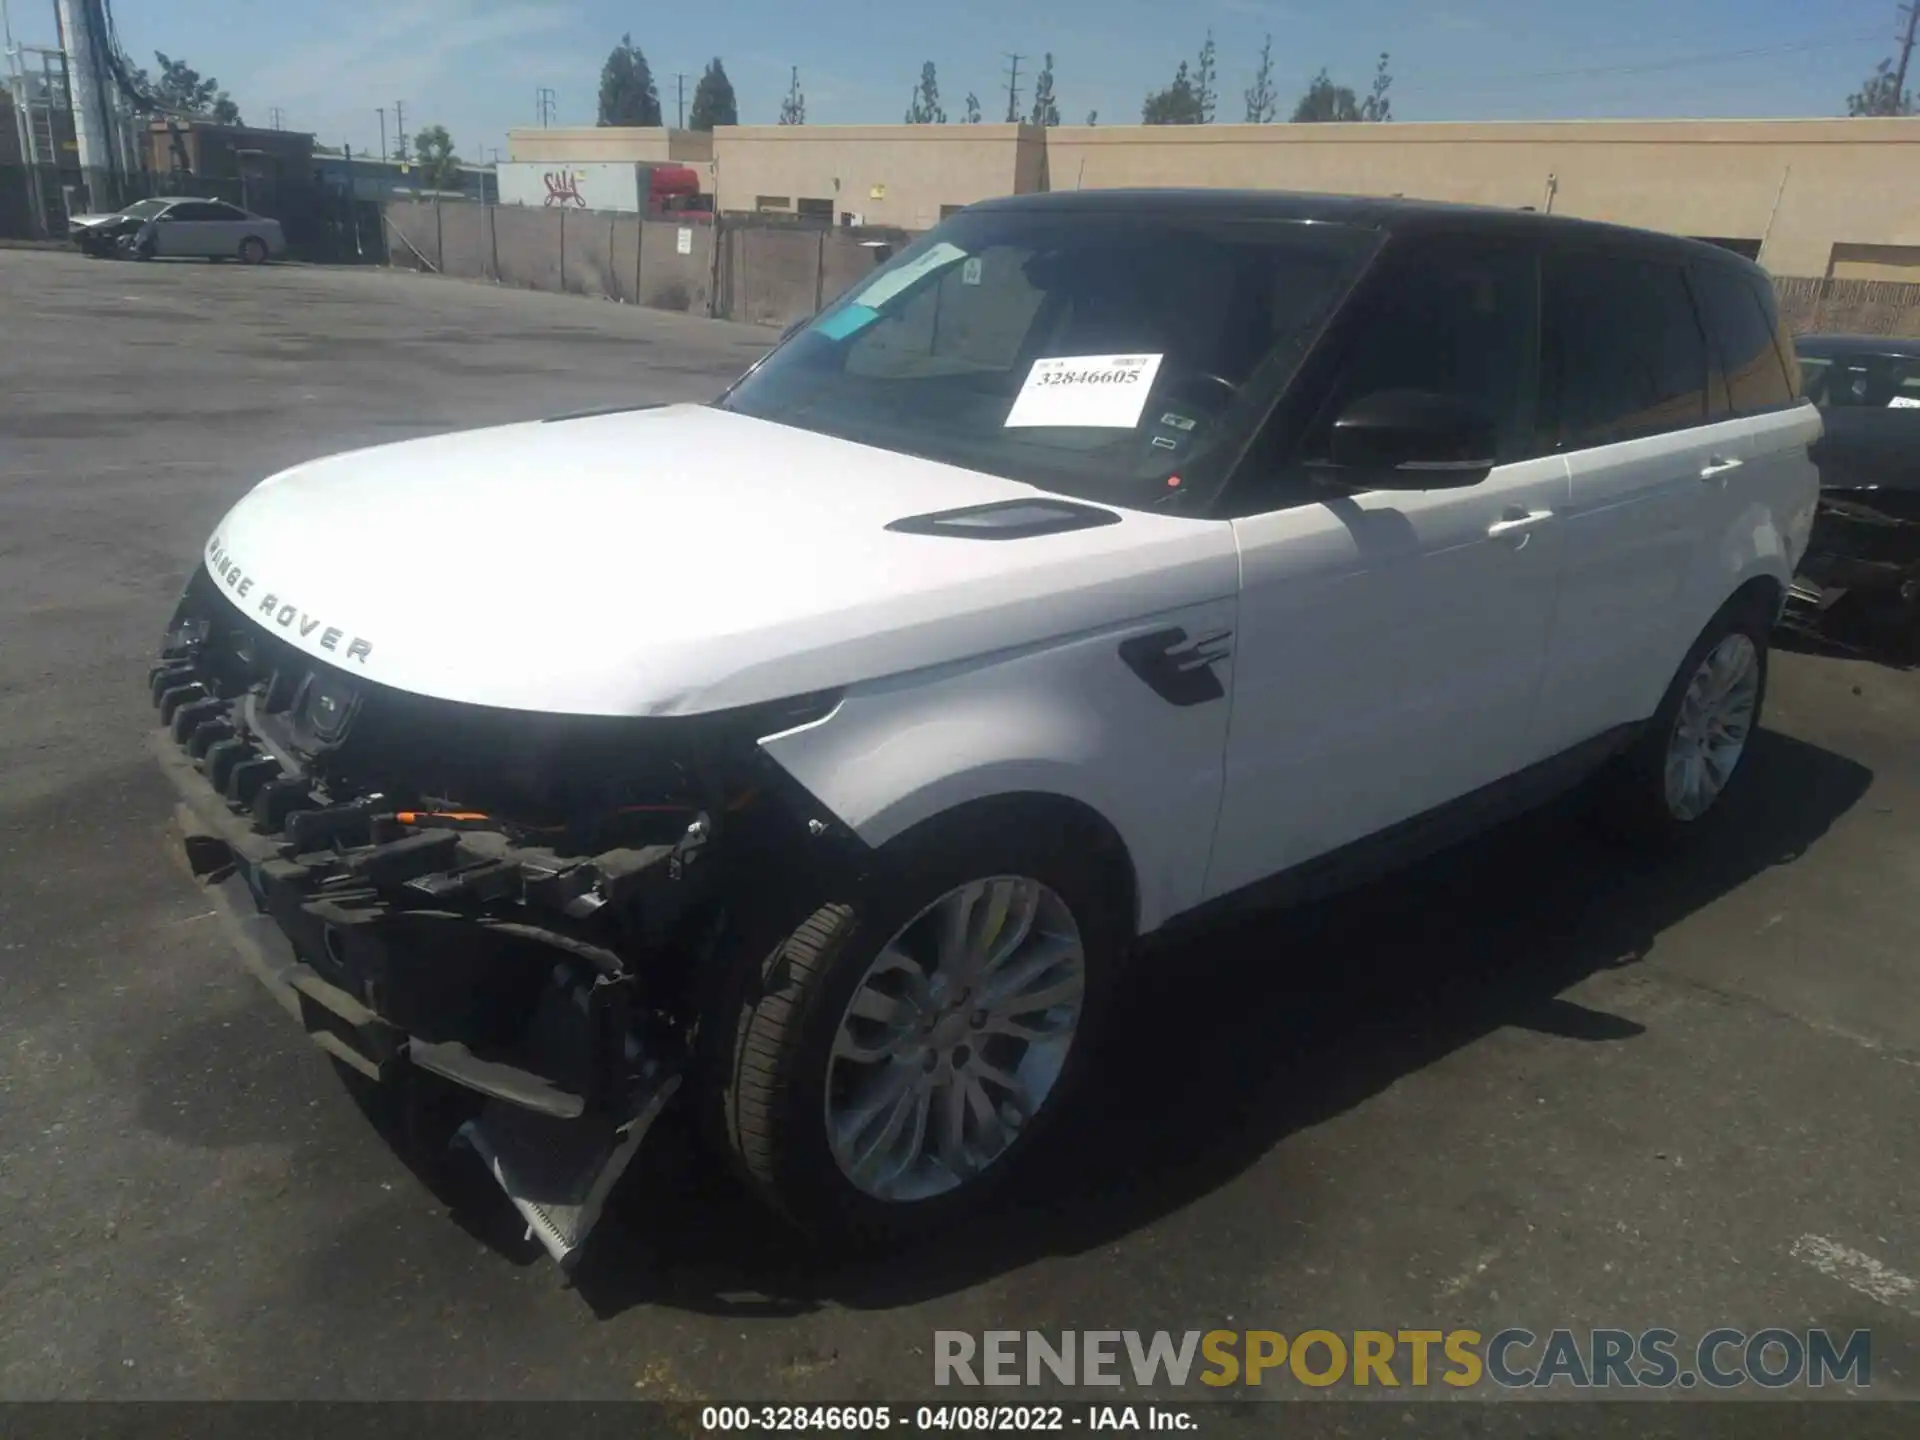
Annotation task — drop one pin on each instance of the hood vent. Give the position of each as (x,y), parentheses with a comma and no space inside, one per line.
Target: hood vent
(1008,520)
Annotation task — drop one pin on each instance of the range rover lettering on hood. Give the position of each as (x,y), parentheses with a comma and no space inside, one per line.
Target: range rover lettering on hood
(278,610)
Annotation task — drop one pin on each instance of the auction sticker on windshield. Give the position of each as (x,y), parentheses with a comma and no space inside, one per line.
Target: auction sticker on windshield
(1105,392)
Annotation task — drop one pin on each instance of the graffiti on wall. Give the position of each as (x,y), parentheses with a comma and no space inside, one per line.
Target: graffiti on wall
(563,188)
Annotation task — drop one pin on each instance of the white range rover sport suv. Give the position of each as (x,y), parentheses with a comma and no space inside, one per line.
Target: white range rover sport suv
(1101,561)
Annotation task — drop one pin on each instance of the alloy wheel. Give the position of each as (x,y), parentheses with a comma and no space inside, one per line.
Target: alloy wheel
(955,1038)
(1711,731)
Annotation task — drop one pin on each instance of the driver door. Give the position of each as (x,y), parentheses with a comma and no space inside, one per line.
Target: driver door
(177,231)
(1392,644)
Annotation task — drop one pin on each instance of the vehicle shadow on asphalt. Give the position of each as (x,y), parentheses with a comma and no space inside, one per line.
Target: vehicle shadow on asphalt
(1257,1030)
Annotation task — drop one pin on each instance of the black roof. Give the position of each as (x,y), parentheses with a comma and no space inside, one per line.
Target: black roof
(1364,211)
(1904,346)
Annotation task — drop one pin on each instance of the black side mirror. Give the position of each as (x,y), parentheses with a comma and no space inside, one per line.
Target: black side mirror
(1410,440)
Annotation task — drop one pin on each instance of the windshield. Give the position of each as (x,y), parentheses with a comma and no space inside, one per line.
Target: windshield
(1857,380)
(144,209)
(1113,356)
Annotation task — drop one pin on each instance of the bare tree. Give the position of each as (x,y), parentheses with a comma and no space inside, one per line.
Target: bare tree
(925,107)
(1262,104)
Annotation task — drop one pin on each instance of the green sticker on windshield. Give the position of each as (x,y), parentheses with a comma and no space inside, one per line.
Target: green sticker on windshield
(842,323)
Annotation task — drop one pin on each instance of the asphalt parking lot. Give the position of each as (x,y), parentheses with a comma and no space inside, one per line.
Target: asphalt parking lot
(1532,1083)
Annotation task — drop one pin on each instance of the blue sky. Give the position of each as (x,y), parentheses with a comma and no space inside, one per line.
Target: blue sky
(475,65)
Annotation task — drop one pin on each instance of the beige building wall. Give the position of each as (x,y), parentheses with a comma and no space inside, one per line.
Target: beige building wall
(1836,197)
(886,174)
(577,144)
(1802,186)
(1875,262)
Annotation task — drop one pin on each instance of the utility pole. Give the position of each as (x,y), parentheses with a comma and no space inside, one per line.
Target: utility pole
(400,130)
(680,90)
(383,133)
(543,101)
(1906,54)
(275,117)
(353,201)
(88,100)
(1013,89)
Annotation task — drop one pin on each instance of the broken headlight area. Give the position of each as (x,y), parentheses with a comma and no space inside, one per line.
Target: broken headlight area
(515,904)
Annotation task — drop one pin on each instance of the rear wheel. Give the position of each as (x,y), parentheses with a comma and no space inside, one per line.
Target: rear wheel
(253,251)
(897,1054)
(1680,769)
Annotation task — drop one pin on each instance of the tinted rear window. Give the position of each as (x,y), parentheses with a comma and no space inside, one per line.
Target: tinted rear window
(1622,353)
(1743,342)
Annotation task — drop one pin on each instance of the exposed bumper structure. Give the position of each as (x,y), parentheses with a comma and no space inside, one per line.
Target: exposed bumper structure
(542,972)
(560,1116)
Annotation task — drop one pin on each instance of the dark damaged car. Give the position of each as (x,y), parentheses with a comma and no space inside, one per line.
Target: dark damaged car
(1863,561)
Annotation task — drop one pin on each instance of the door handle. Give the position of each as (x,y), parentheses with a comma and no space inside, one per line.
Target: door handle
(1515,525)
(1717,467)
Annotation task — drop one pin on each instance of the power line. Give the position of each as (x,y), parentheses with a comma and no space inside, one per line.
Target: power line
(400,129)
(1013,88)
(680,90)
(543,102)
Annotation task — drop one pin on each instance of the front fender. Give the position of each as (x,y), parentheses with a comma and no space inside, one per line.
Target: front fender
(1069,718)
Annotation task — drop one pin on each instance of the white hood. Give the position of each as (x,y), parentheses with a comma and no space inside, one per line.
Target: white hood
(670,561)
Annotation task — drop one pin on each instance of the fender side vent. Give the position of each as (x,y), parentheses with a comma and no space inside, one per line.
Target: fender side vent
(1007,520)
(1178,667)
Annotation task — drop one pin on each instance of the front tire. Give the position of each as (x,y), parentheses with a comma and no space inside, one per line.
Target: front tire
(1676,776)
(893,1060)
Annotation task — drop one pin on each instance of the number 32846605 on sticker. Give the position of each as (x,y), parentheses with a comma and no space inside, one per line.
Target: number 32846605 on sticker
(1096,391)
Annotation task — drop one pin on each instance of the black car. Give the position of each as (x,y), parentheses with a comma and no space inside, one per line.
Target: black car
(1864,557)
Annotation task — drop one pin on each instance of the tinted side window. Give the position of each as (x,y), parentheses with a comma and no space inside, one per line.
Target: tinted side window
(1782,336)
(1621,350)
(220,210)
(1743,345)
(195,210)
(1454,316)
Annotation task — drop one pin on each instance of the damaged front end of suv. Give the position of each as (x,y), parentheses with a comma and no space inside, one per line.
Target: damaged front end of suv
(514,904)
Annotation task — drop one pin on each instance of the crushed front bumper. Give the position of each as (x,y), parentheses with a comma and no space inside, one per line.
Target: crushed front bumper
(399,948)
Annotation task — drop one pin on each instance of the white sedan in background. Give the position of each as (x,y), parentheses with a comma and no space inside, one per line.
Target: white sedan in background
(182,226)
